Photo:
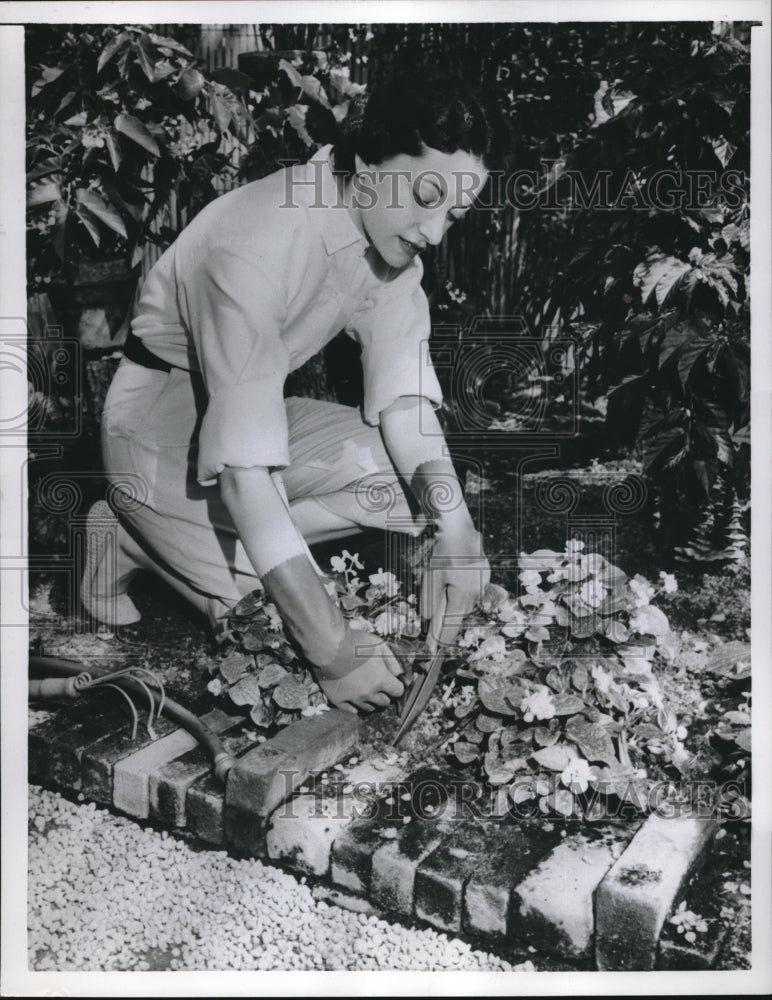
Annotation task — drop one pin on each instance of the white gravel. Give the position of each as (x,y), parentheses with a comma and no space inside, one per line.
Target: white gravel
(107,894)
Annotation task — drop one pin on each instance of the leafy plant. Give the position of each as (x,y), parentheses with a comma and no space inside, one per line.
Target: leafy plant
(262,669)
(555,694)
(122,124)
(656,288)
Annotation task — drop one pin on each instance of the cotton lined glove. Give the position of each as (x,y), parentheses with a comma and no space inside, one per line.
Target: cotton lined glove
(452,583)
(457,570)
(357,671)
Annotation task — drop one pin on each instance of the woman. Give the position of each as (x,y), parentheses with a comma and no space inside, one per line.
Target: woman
(235,480)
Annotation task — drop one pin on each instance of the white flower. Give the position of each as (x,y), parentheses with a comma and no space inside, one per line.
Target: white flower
(472,636)
(354,560)
(386,581)
(559,573)
(274,618)
(574,545)
(669,582)
(383,623)
(593,593)
(311,710)
(538,705)
(215,686)
(650,621)
(576,775)
(493,647)
(338,564)
(601,678)
(530,579)
(642,589)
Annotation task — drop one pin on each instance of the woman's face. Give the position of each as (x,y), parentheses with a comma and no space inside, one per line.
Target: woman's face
(408,202)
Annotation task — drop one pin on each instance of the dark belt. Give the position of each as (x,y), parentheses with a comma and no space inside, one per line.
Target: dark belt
(136,351)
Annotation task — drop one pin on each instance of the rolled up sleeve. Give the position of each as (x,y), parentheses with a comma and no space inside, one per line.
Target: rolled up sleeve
(394,337)
(235,314)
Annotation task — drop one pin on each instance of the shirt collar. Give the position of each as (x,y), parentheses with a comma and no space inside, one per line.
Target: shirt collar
(338,228)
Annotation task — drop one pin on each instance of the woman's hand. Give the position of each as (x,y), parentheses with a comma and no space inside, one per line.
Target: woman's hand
(364,675)
(453,581)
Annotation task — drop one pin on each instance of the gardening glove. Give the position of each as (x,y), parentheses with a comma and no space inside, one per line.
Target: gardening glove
(457,571)
(363,675)
(355,670)
(453,582)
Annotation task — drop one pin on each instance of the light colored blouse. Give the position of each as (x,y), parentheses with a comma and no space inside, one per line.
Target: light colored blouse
(263,278)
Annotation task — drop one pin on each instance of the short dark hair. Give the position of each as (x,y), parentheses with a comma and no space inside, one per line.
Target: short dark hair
(411,112)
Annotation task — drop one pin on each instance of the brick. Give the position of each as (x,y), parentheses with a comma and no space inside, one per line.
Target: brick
(205,800)
(55,746)
(412,800)
(269,773)
(353,849)
(703,897)
(676,955)
(131,775)
(169,784)
(204,808)
(301,832)
(508,853)
(553,905)
(98,760)
(303,829)
(443,874)
(395,862)
(639,891)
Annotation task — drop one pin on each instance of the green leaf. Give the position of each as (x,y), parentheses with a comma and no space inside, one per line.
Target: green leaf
(249,605)
(291,693)
(111,49)
(295,78)
(169,43)
(43,194)
(313,87)
(246,691)
(90,222)
(537,633)
(49,74)
(296,116)
(580,677)
(567,704)
(500,696)
(114,149)
(546,737)
(236,665)
(221,111)
(133,129)
(616,631)
(659,276)
(696,349)
(190,84)
(145,56)
(592,739)
(262,715)
(487,723)
(731,659)
(743,740)
(674,340)
(501,772)
(465,752)
(103,211)
(583,628)
(271,675)
(555,758)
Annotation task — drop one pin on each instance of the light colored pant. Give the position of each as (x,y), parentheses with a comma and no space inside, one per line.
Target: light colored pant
(149,433)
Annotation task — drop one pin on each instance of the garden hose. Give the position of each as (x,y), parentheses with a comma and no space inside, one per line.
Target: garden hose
(71,681)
